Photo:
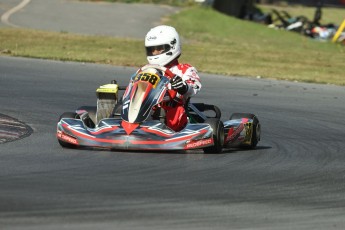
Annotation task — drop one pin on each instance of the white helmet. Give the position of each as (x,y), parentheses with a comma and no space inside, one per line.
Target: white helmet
(165,39)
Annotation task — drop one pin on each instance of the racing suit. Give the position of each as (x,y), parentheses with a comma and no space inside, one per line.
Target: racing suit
(176,116)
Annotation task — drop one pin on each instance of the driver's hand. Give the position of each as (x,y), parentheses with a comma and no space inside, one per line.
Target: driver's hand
(179,85)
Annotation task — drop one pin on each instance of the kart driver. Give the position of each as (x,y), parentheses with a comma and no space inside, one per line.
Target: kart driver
(163,47)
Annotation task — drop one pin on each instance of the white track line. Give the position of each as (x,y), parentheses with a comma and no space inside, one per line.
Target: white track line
(7,14)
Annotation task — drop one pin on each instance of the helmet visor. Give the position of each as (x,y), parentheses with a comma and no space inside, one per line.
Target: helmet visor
(156,50)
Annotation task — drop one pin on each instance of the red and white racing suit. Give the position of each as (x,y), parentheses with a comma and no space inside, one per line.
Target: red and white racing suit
(176,116)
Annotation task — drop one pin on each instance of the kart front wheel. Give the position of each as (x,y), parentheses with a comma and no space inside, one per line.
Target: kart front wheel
(218,135)
(67,115)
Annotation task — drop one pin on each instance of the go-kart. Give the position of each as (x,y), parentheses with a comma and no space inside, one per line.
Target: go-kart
(135,122)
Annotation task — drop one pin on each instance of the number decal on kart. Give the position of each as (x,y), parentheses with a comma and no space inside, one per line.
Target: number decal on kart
(153,79)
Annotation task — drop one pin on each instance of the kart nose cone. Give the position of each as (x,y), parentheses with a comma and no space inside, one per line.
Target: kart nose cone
(129,127)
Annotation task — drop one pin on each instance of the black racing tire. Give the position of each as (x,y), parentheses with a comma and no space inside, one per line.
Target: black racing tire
(68,115)
(63,143)
(92,111)
(89,108)
(256,134)
(218,135)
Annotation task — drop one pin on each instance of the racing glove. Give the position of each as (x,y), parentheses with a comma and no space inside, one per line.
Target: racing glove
(178,84)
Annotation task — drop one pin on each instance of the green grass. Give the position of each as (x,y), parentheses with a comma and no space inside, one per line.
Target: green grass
(163,2)
(70,47)
(237,47)
(212,42)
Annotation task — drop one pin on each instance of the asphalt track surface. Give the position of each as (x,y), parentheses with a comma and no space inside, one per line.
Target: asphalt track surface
(293,180)
(72,16)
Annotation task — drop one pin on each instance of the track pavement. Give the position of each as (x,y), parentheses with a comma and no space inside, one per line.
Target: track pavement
(293,180)
(71,16)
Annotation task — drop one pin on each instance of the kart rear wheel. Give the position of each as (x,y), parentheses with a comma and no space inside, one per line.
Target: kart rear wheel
(256,127)
(67,115)
(218,135)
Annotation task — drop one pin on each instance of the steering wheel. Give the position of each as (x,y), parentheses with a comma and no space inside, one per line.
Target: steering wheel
(165,70)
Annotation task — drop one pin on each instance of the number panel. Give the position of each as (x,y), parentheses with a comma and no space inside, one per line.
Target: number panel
(153,79)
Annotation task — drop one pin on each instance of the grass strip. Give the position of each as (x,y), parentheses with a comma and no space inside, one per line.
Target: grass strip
(213,42)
